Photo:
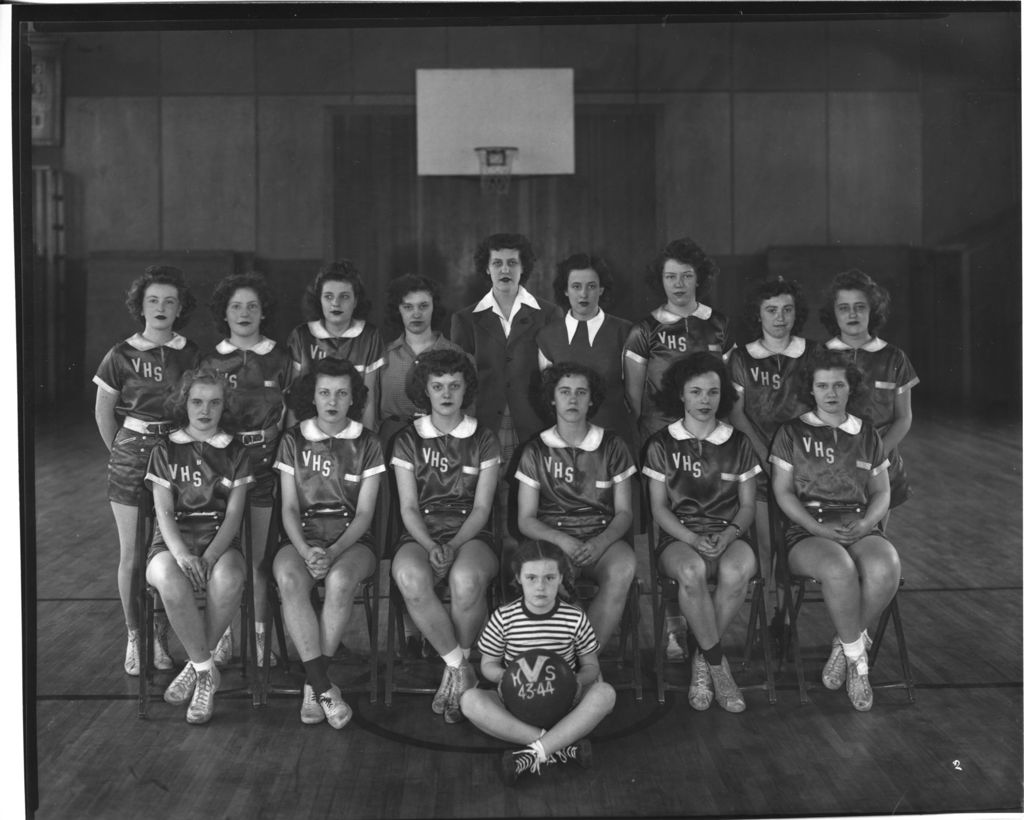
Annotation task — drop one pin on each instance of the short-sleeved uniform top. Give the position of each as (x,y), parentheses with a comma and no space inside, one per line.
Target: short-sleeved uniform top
(360,344)
(199,474)
(512,630)
(328,470)
(660,338)
(888,373)
(599,346)
(575,482)
(260,376)
(830,465)
(144,374)
(701,476)
(446,466)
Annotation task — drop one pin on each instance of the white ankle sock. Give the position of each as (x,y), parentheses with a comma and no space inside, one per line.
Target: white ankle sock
(261,628)
(203,666)
(538,749)
(454,658)
(854,651)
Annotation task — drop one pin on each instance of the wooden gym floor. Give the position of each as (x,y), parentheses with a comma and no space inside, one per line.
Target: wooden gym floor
(958,748)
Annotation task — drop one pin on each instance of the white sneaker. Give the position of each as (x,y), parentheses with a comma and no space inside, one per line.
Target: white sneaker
(337,711)
(161,655)
(261,641)
(131,654)
(182,687)
(200,710)
(700,694)
(225,648)
(311,712)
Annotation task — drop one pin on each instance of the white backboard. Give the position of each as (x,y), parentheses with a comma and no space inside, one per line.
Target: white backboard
(459,110)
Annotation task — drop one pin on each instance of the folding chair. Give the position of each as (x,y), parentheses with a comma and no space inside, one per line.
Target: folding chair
(664,589)
(796,594)
(368,596)
(149,605)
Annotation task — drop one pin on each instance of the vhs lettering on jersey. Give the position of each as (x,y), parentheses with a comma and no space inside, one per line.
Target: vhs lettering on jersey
(317,463)
(559,470)
(689,463)
(186,474)
(671,341)
(766,379)
(233,380)
(148,370)
(816,449)
(432,458)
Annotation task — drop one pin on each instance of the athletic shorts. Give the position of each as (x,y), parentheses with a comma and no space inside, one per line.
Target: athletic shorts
(795,533)
(320,531)
(704,526)
(126,468)
(261,457)
(197,533)
(579,526)
(443,527)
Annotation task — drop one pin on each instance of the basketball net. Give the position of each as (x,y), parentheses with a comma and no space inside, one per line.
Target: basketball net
(495,168)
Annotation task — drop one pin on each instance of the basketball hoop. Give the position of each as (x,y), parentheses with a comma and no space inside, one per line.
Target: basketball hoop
(496,167)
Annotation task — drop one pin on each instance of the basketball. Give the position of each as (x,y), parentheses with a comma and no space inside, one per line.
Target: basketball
(538,687)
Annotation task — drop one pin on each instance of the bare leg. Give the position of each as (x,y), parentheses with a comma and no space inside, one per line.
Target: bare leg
(475,565)
(735,569)
(415,579)
(223,594)
(126,518)
(260,519)
(295,582)
(614,574)
(341,583)
(179,601)
(879,568)
(834,568)
(684,564)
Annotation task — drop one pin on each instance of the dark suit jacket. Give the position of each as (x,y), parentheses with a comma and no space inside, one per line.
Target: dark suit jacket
(507,369)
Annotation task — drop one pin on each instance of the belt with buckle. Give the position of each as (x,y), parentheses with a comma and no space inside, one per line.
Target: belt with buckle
(198,515)
(148,428)
(316,512)
(251,438)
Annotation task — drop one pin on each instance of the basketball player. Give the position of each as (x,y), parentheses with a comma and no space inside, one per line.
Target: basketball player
(133,381)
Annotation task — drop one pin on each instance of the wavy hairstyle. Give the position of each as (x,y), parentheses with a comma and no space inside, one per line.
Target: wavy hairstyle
(687,368)
(160,275)
(770,288)
(854,279)
(581,261)
(341,271)
(300,400)
(176,404)
(550,377)
(505,241)
(825,359)
(443,362)
(408,283)
(687,252)
(226,289)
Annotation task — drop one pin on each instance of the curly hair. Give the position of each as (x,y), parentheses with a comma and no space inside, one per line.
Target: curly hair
(825,359)
(854,279)
(687,252)
(408,283)
(226,289)
(160,275)
(537,551)
(550,377)
(445,362)
(300,400)
(770,288)
(176,404)
(687,368)
(500,242)
(581,261)
(341,271)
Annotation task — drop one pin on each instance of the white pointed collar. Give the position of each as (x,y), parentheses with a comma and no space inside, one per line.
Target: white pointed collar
(319,330)
(719,435)
(852,424)
(593,325)
(261,348)
(140,342)
(426,429)
(591,441)
(311,431)
(523,297)
(794,350)
(220,439)
(667,317)
(872,346)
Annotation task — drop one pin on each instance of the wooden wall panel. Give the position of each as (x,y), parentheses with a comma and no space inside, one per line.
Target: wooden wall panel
(207,62)
(384,60)
(694,169)
(874,168)
(209,164)
(111,154)
(111,63)
(294,176)
(779,55)
(603,57)
(684,57)
(876,55)
(494,46)
(304,61)
(780,185)
(972,50)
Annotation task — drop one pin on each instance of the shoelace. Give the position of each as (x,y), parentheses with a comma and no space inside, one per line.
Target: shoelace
(204,690)
(703,673)
(563,755)
(527,761)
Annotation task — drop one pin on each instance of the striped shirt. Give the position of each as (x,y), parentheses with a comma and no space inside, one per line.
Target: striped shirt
(512,630)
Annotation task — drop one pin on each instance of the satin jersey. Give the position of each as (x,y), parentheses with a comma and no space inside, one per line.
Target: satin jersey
(887,374)
(144,374)
(770,383)
(199,474)
(360,344)
(260,376)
